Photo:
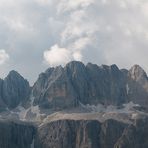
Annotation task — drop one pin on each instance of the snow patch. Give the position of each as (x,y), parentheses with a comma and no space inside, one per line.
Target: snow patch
(127,89)
(31,113)
(36,110)
(22,113)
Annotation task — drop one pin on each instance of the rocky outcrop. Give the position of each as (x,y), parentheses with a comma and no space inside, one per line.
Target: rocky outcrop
(14,90)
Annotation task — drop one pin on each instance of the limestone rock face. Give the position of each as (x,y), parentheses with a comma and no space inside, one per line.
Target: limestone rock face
(76,83)
(54,89)
(106,85)
(92,134)
(138,74)
(68,133)
(66,87)
(80,134)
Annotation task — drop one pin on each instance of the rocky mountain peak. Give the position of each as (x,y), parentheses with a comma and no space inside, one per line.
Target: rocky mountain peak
(75,66)
(137,73)
(15,89)
(13,73)
(114,67)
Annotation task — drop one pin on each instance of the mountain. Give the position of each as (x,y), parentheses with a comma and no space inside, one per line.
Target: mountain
(14,90)
(75,106)
(66,87)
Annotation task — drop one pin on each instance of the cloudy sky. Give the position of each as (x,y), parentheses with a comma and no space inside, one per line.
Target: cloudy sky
(37,34)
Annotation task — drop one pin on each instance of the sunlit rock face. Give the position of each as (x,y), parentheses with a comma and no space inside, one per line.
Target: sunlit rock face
(138,86)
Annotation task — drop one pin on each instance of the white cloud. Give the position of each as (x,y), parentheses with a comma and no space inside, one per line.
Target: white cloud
(98,31)
(3,56)
(78,25)
(18,24)
(57,56)
(81,43)
(144,8)
(43,2)
(61,56)
(77,56)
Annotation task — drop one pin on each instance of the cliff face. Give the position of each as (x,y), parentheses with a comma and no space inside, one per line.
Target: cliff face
(138,85)
(16,135)
(75,134)
(76,83)
(69,134)
(92,134)
(54,89)
(66,87)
